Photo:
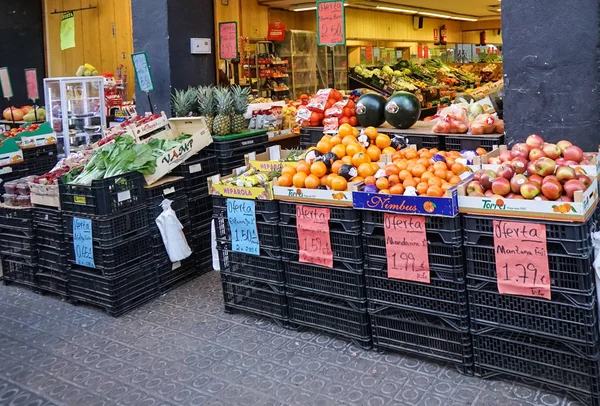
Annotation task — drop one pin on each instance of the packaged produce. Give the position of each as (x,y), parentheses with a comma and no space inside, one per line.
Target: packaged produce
(486,124)
(452,120)
(23,200)
(23,189)
(10,187)
(10,199)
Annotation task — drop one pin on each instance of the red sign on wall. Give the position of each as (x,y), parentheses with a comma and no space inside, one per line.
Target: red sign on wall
(436,36)
(276,31)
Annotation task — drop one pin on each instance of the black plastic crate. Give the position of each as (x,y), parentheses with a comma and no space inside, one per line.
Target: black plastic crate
(254,296)
(196,172)
(448,228)
(111,260)
(172,275)
(573,238)
(17,246)
(345,247)
(53,259)
(115,228)
(422,334)
(228,165)
(46,150)
(105,196)
(48,218)
(568,274)
(18,271)
(566,316)
(341,218)
(553,362)
(421,140)
(16,219)
(268,234)
(446,294)
(311,135)
(117,295)
(226,149)
(442,256)
(179,205)
(266,267)
(266,211)
(52,240)
(201,240)
(346,318)
(472,143)
(41,164)
(341,281)
(168,190)
(201,209)
(53,283)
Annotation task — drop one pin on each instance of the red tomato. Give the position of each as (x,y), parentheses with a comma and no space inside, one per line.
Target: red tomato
(344,120)
(346,112)
(353,121)
(350,104)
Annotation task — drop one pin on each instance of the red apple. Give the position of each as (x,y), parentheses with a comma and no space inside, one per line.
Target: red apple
(521,149)
(571,163)
(552,151)
(534,141)
(560,161)
(587,182)
(536,179)
(477,174)
(477,194)
(487,178)
(497,196)
(545,166)
(552,189)
(506,171)
(549,177)
(573,186)
(518,197)
(505,156)
(516,182)
(511,195)
(579,171)
(584,161)
(488,193)
(531,168)
(494,161)
(519,164)
(563,144)
(573,153)
(474,187)
(535,154)
(529,190)
(565,198)
(501,186)
(565,173)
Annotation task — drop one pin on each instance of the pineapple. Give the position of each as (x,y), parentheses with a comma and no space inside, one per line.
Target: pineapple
(206,104)
(240,105)
(183,102)
(222,122)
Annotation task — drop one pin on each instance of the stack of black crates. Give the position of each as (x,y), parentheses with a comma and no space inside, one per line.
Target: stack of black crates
(52,251)
(195,172)
(253,283)
(18,252)
(432,319)
(124,275)
(231,153)
(557,341)
(328,299)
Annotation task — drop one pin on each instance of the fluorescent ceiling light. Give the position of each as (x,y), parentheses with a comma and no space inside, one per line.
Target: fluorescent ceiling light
(305,9)
(433,14)
(463,18)
(397,10)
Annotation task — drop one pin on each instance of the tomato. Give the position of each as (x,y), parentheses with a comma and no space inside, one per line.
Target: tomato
(344,120)
(353,121)
(346,112)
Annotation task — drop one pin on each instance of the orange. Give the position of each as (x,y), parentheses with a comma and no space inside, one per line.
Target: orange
(339,183)
(418,170)
(374,152)
(435,191)
(446,186)
(348,139)
(481,151)
(330,178)
(360,158)
(324,181)
(401,164)
(371,132)
(434,182)
(449,174)
(384,191)
(455,180)
(422,188)
(439,165)
(355,132)
(326,137)
(424,161)
(284,180)
(423,151)
(440,173)
(312,182)
(335,167)
(426,176)
(396,190)
(335,140)
(404,174)
(391,170)
(426,155)
(344,130)
(358,179)
(417,179)
(299,178)
(323,147)
(442,153)
(370,180)
(449,162)
(394,179)
(365,170)
(410,154)
(375,167)
(388,150)
(383,141)
(410,182)
(434,151)
(304,167)
(288,170)
(457,168)
(353,148)
(382,183)
(347,160)
(318,169)
(339,151)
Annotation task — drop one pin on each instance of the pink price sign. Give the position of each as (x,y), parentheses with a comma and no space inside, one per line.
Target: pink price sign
(228,40)
(331,22)
(314,240)
(406,247)
(32,84)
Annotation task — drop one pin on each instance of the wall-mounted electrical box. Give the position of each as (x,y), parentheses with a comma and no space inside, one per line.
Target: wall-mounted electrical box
(200,45)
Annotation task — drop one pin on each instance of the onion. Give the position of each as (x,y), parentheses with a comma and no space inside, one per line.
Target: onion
(17,114)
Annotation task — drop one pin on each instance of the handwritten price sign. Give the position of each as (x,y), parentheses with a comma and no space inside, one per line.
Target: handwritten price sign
(406,247)
(521,259)
(228,40)
(241,215)
(313,235)
(331,22)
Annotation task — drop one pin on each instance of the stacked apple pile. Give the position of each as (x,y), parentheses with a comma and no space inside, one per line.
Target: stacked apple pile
(534,170)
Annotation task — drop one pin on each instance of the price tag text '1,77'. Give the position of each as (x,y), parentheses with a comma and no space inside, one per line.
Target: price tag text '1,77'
(406,247)
(314,239)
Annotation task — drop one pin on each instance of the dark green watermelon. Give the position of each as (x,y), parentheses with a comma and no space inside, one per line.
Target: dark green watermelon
(402,110)
(369,110)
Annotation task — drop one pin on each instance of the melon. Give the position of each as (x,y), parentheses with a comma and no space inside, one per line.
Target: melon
(370,110)
(402,110)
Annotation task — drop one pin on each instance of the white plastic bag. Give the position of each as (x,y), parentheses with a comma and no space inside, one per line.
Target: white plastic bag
(171,232)
(596,265)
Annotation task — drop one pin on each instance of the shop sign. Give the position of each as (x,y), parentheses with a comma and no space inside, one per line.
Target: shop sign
(406,247)
(276,31)
(369,53)
(228,40)
(521,259)
(314,240)
(331,23)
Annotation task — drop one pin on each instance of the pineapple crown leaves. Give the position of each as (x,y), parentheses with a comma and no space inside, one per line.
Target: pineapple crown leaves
(223,100)
(240,98)
(183,102)
(206,100)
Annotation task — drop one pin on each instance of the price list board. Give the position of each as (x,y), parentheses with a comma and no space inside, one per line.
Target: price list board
(314,239)
(406,247)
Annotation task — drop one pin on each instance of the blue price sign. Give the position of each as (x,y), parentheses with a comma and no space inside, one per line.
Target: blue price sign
(82,242)
(241,215)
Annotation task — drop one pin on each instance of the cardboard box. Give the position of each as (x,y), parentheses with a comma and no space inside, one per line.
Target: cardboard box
(43,136)
(200,139)
(329,197)
(263,192)
(270,160)
(10,153)
(578,211)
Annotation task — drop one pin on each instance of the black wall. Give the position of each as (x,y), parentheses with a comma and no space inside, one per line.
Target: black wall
(551,68)
(22,46)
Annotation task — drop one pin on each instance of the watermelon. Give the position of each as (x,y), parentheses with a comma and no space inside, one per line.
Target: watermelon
(369,110)
(402,110)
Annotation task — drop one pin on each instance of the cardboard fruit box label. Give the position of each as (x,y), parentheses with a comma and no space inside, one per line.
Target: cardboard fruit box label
(422,205)
(331,197)
(271,160)
(217,188)
(10,153)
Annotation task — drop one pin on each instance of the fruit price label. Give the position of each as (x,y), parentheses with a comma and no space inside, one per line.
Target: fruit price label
(314,239)
(83,242)
(241,215)
(521,259)
(406,247)
(331,22)
(32,84)
(228,40)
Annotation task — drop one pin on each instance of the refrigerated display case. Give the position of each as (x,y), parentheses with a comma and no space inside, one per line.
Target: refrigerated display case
(75,109)
(300,49)
(339,67)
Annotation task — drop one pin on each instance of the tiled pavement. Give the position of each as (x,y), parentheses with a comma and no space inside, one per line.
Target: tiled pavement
(182,349)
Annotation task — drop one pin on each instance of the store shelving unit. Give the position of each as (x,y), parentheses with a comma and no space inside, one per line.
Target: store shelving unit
(75,109)
(271,72)
(339,67)
(300,48)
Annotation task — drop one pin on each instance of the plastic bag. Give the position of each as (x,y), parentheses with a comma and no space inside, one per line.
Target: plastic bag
(452,120)
(596,264)
(337,110)
(172,234)
(303,116)
(486,124)
(330,125)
